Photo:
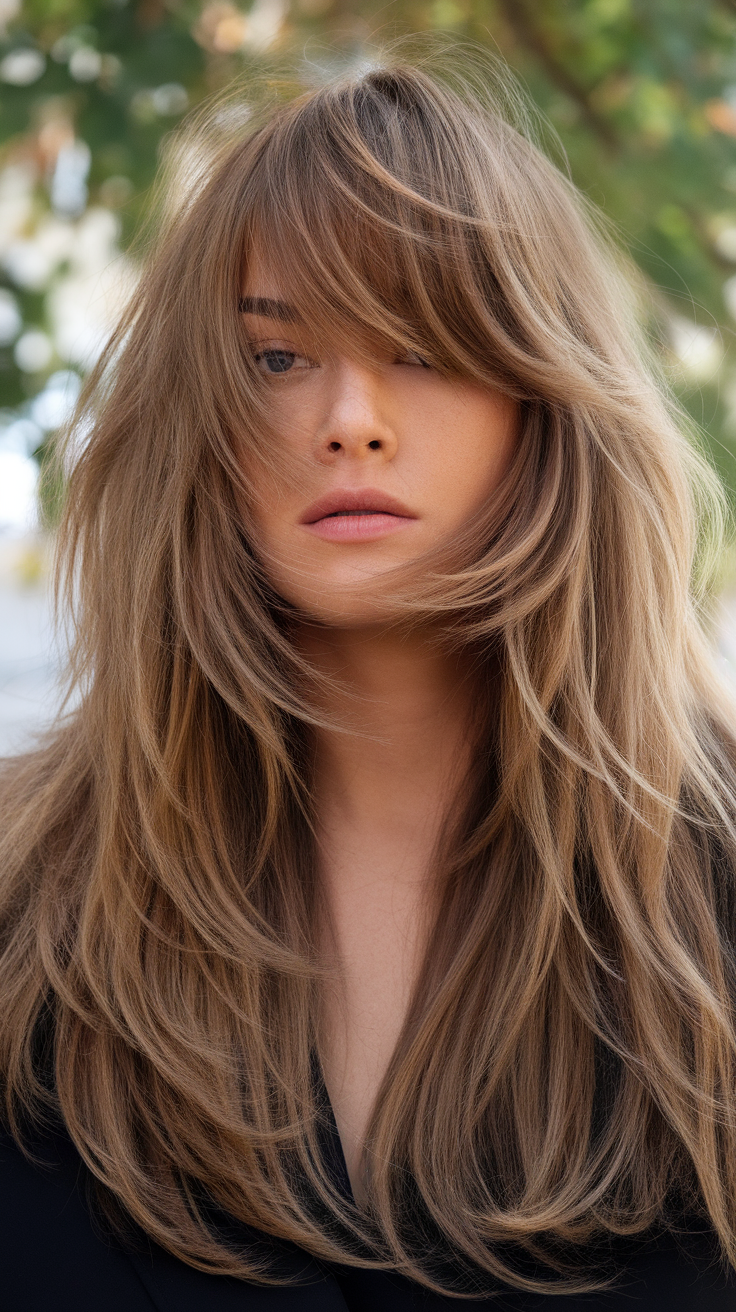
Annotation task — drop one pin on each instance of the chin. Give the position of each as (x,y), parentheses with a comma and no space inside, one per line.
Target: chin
(341,606)
(343,613)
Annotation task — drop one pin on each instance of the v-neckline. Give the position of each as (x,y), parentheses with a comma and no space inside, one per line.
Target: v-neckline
(328,1135)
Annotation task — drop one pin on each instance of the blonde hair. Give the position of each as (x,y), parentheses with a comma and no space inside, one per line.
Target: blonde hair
(568,1066)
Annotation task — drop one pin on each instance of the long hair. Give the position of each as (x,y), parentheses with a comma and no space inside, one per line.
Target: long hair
(568,1065)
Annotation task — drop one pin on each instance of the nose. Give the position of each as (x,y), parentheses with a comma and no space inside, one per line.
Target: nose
(355,422)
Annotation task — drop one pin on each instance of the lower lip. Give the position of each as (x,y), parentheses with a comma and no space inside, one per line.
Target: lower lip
(357,528)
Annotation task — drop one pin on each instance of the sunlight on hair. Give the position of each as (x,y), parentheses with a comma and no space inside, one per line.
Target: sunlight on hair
(166,828)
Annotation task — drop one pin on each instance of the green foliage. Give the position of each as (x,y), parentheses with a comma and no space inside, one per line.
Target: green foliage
(641,92)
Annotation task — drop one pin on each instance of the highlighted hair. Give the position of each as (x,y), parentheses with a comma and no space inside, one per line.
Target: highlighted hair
(568,1066)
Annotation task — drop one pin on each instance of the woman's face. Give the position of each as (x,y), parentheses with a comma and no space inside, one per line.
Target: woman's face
(385,461)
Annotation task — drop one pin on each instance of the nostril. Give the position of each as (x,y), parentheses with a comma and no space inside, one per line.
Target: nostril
(375,445)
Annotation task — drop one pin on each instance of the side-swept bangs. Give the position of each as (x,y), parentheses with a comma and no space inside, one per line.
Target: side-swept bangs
(396,215)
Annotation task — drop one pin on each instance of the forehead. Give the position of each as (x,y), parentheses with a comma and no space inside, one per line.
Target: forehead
(278,294)
(259,279)
(347,296)
(262,293)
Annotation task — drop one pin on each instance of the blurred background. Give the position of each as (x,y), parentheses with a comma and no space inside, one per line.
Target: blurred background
(642,94)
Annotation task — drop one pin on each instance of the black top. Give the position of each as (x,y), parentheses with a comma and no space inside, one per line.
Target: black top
(55,1256)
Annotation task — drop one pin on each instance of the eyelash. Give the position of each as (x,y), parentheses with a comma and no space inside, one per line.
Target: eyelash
(283,353)
(280,353)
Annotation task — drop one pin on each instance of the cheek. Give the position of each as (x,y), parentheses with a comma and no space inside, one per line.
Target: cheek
(505,441)
(480,438)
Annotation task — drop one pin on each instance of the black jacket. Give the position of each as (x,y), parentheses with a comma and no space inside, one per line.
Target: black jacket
(56,1256)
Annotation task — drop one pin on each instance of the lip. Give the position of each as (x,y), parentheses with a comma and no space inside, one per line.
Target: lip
(356,515)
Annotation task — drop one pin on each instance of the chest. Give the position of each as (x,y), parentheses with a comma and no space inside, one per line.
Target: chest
(376,925)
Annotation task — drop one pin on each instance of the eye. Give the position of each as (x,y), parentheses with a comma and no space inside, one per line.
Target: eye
(277,360)
(411,357)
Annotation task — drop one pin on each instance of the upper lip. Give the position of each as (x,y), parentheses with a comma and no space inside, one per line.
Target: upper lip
(363,498)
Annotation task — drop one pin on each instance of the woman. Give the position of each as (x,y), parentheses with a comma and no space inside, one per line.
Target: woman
(368,924)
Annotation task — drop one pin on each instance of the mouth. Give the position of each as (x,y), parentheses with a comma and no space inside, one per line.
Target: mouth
(338,513)
(356,515)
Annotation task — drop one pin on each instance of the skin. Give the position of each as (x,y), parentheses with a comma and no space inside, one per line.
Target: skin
(383,791)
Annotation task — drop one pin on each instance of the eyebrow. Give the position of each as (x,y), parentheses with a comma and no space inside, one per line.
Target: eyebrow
(267,308)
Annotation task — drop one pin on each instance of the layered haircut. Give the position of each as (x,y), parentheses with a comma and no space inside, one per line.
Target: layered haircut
(568,1064)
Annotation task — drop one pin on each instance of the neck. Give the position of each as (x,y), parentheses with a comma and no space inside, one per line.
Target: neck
(384,784)
(405,709)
